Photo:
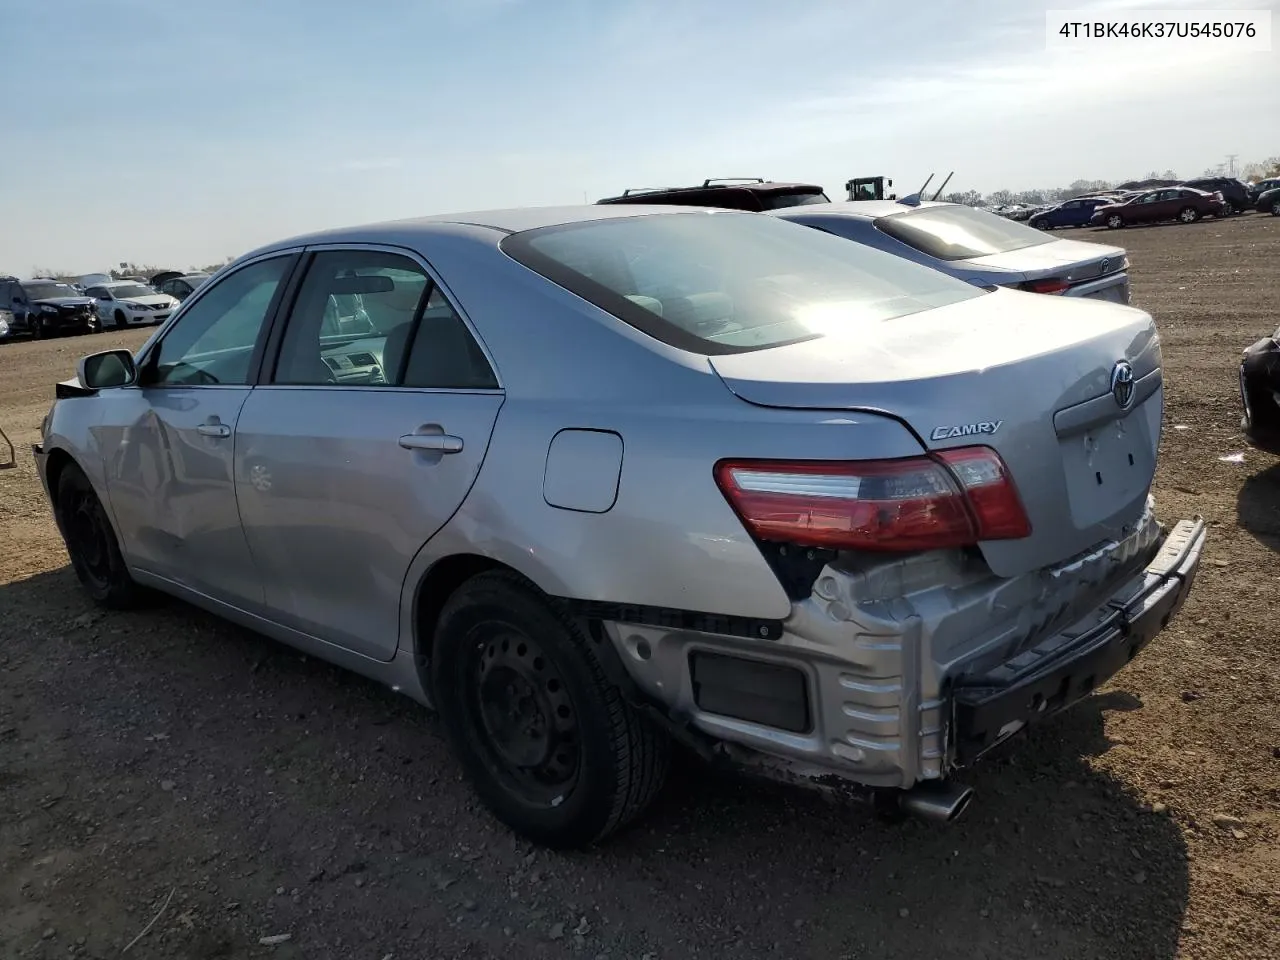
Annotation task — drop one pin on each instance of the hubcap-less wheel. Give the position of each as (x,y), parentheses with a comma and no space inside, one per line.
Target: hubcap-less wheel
(526,714)
(87,541)
(1188,215)
(1114,222)
(545,736)
(91,543)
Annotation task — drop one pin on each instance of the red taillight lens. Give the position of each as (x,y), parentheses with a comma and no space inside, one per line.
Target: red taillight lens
(992,495)
(916,503)
(1046,286)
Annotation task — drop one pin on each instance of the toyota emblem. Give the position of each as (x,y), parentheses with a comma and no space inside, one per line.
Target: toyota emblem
(1122,384)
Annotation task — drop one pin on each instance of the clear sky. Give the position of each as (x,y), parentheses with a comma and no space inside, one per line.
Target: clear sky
(176,133)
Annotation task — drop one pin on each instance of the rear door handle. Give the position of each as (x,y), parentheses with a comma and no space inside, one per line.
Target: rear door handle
(436,442)
(213,430)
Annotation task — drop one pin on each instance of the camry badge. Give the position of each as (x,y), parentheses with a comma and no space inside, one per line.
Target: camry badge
(987,427)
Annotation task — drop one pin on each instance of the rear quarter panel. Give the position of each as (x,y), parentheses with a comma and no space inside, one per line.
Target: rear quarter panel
(670,538)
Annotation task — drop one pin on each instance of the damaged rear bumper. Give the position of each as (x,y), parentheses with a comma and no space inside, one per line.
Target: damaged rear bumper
(896,671)
(1047,678)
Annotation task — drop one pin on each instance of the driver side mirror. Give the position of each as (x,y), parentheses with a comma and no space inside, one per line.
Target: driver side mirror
(114,368)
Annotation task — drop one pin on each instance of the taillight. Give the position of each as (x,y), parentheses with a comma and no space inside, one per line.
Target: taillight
(1053,285)
(953,499)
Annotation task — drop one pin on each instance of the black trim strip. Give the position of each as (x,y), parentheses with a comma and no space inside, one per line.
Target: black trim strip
(675,619)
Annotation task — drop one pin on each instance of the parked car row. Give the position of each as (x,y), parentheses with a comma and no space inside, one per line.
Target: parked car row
(44,307)
(826,492)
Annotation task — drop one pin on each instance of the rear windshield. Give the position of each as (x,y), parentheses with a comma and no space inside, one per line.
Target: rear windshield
(957,232)
(715,283)
(776,201)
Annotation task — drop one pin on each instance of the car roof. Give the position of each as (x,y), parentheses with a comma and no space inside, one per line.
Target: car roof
(500,222)
(867,209)
(767,187)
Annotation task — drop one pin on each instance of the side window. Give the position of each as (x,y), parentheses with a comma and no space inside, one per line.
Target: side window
(353,325)
(1072,205)
(213,342)
(443,353)
(352,319)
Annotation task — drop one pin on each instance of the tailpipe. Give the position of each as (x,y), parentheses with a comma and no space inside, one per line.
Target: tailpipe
(938,800)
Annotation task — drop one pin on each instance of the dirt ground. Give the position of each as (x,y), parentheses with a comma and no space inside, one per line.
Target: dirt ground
(166,764)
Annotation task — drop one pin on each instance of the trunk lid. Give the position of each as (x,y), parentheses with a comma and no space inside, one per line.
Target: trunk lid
(1075,261)
(1028,375)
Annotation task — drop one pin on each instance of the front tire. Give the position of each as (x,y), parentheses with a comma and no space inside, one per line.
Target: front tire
(547,740)
(1275,208)
(1228,209)
(1114,222)
(91,542)
(1040,224)
(121,322)
(1188,215)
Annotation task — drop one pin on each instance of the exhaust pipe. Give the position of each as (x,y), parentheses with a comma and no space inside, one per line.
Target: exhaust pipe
(938,800)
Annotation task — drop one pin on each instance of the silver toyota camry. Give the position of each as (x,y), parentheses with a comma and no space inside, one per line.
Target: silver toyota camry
(592,480)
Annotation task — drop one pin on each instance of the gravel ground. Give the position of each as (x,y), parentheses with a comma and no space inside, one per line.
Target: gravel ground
(165,765)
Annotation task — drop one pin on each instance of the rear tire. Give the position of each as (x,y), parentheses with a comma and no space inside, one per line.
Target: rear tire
(1188,214)
(545,737)
(1228,208)
(91,542)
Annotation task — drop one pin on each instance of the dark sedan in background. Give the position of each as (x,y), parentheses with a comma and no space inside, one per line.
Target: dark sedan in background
(1269,201)
(1069,213)
(45,308)
(1154,206)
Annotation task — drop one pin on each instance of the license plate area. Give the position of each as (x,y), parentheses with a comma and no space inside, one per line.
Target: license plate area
(1107,467)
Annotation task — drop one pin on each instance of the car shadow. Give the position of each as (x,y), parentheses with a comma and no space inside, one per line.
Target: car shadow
(232,749)
(1258,506)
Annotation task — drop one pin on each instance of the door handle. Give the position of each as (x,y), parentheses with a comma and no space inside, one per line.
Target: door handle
(435,442)
(213,430)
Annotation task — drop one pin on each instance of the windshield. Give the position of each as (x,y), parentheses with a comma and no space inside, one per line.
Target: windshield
(776,201)
(131,290)
(957,232)
(730,282)
(48,290)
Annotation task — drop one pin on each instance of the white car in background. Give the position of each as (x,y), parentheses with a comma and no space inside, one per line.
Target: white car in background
(126,303)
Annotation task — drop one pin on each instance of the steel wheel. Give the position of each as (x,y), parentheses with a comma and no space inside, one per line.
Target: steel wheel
(520,701)
(545,736)
(87,542)
(91,542)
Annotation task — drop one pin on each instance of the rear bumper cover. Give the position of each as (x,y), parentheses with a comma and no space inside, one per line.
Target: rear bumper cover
(1066,668)
(902,671)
